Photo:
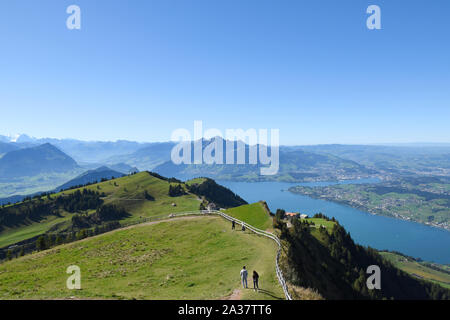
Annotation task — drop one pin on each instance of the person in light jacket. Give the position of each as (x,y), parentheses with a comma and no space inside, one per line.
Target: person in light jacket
(244,275)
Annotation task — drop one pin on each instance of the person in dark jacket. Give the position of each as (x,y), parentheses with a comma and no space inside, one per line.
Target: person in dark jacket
(233,225)
(255,280)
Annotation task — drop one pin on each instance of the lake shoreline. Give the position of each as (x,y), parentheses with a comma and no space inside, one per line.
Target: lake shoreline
(369,211)
(377,231)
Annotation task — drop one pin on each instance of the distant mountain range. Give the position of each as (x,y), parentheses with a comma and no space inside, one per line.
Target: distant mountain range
(407,159)
(28,164)
(88,177)
(294,166)
(27,170)
(146,158)
(36,160)
(7,147)
(81,151)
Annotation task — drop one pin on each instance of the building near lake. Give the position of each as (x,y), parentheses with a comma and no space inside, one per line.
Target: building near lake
(292,215)
(295,215)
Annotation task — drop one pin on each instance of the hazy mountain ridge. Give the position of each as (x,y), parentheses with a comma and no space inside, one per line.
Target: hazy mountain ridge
(147,157)
(91,176)
(297,163)
(26,171)
(81,151)
(6,147)
(36,160)
(294,165)
(404,160)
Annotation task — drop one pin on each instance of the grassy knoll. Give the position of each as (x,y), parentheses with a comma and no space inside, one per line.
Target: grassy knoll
(322,222)
(418,269)
(127,192)
(193,258)
(254,214)
(195,180)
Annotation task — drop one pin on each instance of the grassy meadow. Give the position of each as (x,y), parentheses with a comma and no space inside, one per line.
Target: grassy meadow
(127,191)
(190,258)
(254,214)
(419,269)
(322,222)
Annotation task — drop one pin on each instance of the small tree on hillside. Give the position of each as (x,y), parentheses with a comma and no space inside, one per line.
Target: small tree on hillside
(280,214)
(41,243)
(148,196)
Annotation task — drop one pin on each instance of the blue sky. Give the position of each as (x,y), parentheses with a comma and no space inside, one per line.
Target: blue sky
(138,70)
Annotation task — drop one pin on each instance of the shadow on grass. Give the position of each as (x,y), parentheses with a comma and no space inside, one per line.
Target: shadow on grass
(268,293)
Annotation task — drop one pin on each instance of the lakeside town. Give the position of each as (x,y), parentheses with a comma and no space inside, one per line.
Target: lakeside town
(401,203)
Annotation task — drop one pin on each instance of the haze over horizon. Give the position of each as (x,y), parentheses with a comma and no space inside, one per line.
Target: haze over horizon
(13,138)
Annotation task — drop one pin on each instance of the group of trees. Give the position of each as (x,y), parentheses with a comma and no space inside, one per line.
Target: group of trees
(80,201)
(213,192)
(170,180)
(47,241)
(322,216)
(35,209)
(330,262)
(176,190)
(280,214)
(24,212)
(102,214)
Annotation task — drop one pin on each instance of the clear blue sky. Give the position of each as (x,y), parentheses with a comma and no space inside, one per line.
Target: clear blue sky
(138,70)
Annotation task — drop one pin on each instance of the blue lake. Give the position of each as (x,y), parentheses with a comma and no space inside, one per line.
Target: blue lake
(413,239)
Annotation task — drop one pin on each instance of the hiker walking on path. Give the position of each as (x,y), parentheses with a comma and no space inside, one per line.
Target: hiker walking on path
(233,225)
(255,280)
(244,275)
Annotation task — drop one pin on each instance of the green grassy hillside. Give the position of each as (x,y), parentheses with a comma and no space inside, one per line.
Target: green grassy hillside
(190,258)
(320,222)
(255,214)
(329,262)
(421,270)
(127,192)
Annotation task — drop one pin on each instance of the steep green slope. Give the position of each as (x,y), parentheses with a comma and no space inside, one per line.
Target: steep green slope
(332,264)
(222,197)
(190,258)
(127,192)
(255,214)
(142,196)
(422,270)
